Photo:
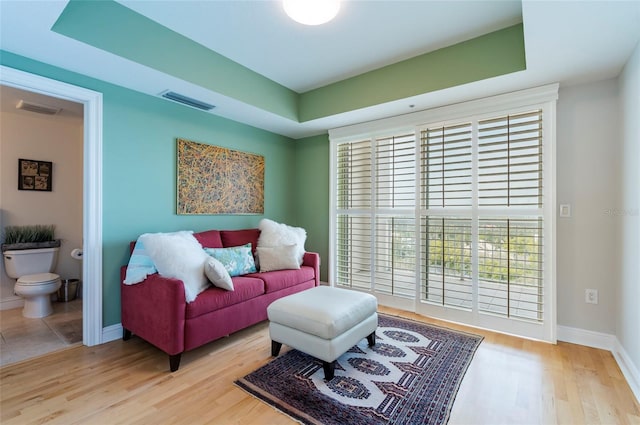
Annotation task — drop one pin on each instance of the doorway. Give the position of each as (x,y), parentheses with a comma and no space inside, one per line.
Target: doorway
(92,188)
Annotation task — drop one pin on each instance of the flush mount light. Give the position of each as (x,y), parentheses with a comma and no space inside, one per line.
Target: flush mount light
(311,12)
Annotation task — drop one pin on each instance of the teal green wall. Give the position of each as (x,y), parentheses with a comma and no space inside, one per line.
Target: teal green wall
(498,53)
(139,168)
(312,185)
(115,28)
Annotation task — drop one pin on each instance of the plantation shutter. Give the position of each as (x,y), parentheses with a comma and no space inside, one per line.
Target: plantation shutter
(510,268)
(395,238)
(395,172)
(510,160)
(450,211)
(354,175)
(353,246)
(446,166)
(446,266)
(447,171)
(353,241)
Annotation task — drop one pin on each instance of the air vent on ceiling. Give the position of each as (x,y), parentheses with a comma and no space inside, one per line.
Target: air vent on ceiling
(177,97)
(38,108)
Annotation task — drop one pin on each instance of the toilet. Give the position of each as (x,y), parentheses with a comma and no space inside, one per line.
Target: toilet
(35,283)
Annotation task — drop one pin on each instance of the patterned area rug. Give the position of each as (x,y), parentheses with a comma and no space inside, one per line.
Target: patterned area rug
(410,376)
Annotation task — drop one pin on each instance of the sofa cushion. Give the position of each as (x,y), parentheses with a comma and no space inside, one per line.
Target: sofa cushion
(218,274)
(236,259)
(180,256)
(240,237)
(214,298)
(278,258)
(280,279)
(209,239)
(278,234)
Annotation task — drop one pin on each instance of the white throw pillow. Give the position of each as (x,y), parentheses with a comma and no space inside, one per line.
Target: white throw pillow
(278,258)
(273,234)
(218,274)
(180,256)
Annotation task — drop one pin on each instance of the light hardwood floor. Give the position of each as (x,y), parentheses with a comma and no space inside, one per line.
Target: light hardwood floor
(510,381)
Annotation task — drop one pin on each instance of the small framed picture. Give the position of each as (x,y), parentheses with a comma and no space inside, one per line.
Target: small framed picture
(34,175)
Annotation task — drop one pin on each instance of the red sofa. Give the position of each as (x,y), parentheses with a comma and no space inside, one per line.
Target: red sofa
(156,310)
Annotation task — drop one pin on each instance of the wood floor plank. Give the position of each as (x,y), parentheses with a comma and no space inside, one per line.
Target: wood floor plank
(510,381)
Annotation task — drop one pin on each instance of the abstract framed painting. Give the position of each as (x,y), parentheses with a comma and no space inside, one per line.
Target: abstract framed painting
(216,180)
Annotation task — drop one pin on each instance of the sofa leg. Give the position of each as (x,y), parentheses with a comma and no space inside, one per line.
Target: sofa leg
(126,334)
(275,348)
(174,361)
(371,339)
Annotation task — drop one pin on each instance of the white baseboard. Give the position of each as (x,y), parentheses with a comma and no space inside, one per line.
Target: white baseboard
(11,303)
(605,342)
(111,333)
(585,337)
(629,370)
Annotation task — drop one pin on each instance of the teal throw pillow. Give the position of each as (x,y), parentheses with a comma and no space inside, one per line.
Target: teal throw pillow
(238,260)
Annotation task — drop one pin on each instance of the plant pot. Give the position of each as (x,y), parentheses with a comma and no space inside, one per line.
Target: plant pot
(30,245)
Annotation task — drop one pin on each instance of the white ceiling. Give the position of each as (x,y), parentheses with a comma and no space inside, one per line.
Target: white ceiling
(365,35)
(566,41)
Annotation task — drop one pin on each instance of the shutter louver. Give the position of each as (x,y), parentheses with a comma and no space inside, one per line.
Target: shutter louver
(353,268)
(395,172)
(446,166)
(510,267)
(395,259)
(354,175)
(510,161)
(446,265)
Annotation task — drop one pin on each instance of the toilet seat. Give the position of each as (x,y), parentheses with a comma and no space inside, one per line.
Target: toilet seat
(38,279)
(36,289)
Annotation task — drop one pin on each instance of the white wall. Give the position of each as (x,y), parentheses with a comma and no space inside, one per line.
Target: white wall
(588,178)
(628,303)
(58,139)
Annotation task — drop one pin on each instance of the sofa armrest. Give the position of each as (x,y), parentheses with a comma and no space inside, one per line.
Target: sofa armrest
(154,309)
(312,259)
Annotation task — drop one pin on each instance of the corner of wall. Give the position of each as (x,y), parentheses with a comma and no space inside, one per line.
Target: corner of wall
(628,368)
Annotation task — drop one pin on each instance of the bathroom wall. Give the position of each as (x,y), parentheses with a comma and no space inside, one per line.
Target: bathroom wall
(58,139)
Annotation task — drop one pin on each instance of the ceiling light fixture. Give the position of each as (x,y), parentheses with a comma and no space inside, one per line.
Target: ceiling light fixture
(311,12)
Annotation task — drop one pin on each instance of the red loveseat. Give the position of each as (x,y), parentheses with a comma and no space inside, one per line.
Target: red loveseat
(156,310)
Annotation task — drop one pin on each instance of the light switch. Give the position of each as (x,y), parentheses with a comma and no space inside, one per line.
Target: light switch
(565,210)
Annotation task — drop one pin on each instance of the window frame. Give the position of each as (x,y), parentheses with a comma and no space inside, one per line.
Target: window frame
(545,98)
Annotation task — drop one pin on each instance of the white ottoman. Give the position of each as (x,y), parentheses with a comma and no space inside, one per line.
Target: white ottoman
(323,322)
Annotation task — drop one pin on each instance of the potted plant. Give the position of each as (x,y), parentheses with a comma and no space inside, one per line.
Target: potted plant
(29,237)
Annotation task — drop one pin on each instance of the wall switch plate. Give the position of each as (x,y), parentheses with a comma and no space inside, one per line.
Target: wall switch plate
(565,210)
(591,296)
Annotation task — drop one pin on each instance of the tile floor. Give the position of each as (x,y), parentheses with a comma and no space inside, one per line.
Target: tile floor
(22,338)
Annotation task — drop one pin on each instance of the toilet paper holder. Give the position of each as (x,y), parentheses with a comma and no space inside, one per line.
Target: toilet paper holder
(77,254)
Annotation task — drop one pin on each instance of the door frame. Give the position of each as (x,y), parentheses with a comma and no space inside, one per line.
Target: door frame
(91,191)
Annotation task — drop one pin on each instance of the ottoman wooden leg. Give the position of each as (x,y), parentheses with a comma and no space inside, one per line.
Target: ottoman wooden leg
(275,348)
(329,369)
(371,339)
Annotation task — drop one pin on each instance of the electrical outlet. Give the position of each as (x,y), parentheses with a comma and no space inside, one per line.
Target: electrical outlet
(591,296)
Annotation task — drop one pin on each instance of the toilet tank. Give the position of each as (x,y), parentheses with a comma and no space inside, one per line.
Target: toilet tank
(22,262)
